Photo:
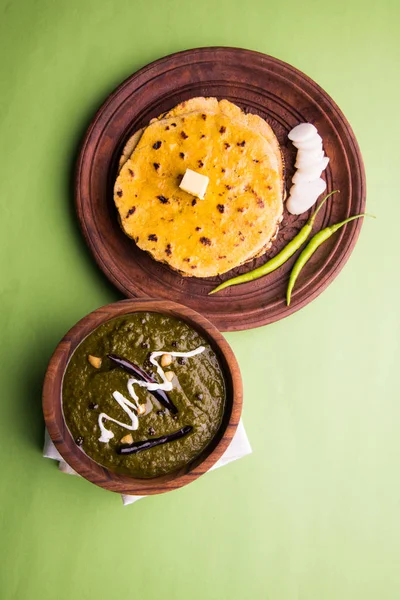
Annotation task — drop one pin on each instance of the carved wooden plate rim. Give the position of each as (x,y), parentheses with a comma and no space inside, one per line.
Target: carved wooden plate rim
(258,83)
(101,476)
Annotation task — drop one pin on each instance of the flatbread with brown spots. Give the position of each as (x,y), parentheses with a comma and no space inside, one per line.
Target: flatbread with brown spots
(243,203)
(212,105)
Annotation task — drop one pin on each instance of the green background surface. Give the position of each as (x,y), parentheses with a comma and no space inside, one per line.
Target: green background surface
(314,512)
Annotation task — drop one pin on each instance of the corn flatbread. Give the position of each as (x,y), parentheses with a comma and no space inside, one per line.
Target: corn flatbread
(236,114)
(213,105)
(129,147)
(243,204)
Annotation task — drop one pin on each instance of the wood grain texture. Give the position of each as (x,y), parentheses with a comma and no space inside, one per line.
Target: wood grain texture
(85,466)
(257,83)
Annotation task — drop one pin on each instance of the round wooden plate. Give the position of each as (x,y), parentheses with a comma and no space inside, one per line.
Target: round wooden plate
(260,84)
(88,468)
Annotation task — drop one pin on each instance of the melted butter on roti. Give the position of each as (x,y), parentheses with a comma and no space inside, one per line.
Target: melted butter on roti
(242,206)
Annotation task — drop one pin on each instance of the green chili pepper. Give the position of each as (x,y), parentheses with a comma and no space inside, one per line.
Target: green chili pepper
(315,242)
(279,259)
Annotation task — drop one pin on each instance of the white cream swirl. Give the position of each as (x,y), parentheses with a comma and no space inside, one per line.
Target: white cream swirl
(128,406)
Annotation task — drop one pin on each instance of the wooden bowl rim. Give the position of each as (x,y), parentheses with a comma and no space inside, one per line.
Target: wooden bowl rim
(87,467)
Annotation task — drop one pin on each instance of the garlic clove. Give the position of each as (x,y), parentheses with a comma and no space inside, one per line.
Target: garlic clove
(166,360)
(127,439)
(95,361)
(169,375)
(141,409)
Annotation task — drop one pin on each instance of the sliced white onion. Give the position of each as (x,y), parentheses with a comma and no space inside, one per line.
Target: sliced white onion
(302,132)
(294,191)
(304,195)
(302,176)
(300,192)
(310,163)
(312,144)
(315,170)
(308,158)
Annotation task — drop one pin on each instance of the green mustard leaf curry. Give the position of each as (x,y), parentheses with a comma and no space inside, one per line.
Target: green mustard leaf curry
(198,393)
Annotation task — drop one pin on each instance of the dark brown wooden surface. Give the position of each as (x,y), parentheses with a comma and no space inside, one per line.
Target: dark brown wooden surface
(260,84)
(85,466)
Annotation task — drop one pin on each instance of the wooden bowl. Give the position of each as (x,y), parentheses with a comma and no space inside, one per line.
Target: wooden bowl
(88,468)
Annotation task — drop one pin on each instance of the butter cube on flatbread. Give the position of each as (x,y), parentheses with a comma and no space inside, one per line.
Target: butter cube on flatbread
(194,183)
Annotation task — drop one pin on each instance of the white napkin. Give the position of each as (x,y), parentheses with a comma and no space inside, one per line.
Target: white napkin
(239,447)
